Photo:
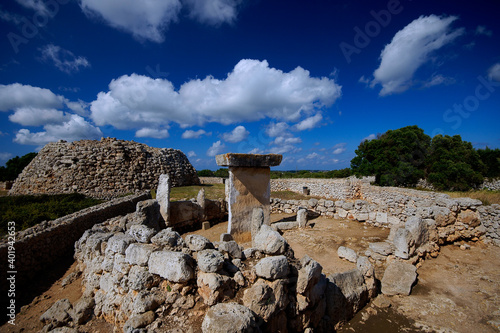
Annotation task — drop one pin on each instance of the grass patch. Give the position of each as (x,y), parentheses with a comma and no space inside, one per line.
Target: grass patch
(29,210)
(289,195)
(487,197)
(212,191)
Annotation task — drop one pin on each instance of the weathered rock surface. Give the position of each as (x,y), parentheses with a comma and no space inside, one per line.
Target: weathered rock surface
(229,318)
(173,266)
(269,241)
(398,278)
(272,268)
(210,261)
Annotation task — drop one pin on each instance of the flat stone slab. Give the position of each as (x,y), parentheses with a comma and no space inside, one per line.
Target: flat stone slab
(248,160)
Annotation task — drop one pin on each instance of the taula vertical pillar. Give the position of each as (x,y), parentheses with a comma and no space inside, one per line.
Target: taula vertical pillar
(249,187)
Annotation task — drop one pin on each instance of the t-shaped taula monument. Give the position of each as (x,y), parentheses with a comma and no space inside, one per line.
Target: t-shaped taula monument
(249,187)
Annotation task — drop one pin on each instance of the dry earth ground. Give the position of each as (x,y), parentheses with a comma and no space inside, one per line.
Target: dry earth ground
(457,292)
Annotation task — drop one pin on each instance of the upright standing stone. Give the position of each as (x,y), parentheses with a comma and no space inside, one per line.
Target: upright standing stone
(163,196)
(249,187)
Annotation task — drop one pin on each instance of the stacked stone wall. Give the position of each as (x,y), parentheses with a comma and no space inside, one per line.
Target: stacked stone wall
(103,169)
(44,245)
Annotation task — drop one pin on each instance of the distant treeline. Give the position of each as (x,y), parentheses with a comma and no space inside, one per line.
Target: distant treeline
(15,166)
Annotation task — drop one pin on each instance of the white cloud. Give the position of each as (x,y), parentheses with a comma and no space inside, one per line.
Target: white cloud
(145,20)
(409,49)
(76,128)
(256,151)
(191,153)
(312,156)
(63,59)
(370,137)
(152,133)
(236,135)
(482,30)
(284,140)
(284,149)
(190,134)
(494,72)
(16,95)
(213,12)
(216,148)
(80,107)
(36,5)
(29,116)
(252,91)
(309,123)
(339,148)
(281,140)
(5,156)
(278,129)
(437,80)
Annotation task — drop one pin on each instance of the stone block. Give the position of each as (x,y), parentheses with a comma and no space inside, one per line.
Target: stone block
(272,268)
(210,261)
(229,317)
(163,196)
(381,217)
(198,243)
(382,248)
(347,253)
(173,266)
(269,241)
(398,278)
(138,254)
(205,225)
(248,160)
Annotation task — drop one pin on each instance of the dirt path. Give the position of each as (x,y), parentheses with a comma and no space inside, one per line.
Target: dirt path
(457,292)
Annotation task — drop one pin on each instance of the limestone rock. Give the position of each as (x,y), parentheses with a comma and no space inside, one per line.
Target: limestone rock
(266,298)
(138,254)
(58,314)
(138,321)
(272,268)
(119,243)
(197,243)
(147,213)
(347,253)
(163,196)
(398,278)
(418,230)
(210,261)
(214,287)
(141,233)
(309,274)
(269,241)
(257,220)
(382,248)
(229,318)
(168,239)
(232,248)
(302,218)
(173,266)
(402,243)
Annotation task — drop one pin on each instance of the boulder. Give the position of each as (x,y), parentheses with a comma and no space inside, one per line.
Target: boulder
(214,287)
(147,213)
(266,298)
(347,253)
(198,243)
(119,243)
(269,241)
(402,243)
(138,254)
(418,230)
(138,321)
(285,225)
(232,248)
(257,220)
(302,217)
(229,318)
(168,239)
(272,268)
(141,233)
(398,278)
(59,314)
(382,248)
(210,261)
(309,274)
(173,266)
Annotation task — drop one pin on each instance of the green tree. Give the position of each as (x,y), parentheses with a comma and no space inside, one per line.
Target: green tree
(222,172)
(206,173)
(396,158)
(454,164)
(15,166)
(491,160)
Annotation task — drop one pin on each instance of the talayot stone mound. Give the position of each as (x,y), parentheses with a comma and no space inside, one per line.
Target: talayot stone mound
(102,169)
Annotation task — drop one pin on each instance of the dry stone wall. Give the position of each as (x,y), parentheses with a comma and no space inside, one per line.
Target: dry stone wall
(42,246)
(103,169)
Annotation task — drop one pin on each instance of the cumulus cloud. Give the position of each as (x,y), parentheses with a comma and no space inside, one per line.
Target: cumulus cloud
(76,128)
(410,48)
(63,59)
(152,133)
(213,12)
(145,20)
(190,134)
(369,137)
(313,156)
(284,140)
(494,72)
(79,107)
(339,148)
(216,148)
(191,153)
(16,95)
(256,151)
(29,116)
(309,123)
(236,135)
(250,92)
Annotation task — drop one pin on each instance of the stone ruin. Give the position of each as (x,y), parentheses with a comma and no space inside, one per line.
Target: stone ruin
(142,276)
(103,169)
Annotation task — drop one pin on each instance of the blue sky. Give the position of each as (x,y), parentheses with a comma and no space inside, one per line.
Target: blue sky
(306,79)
